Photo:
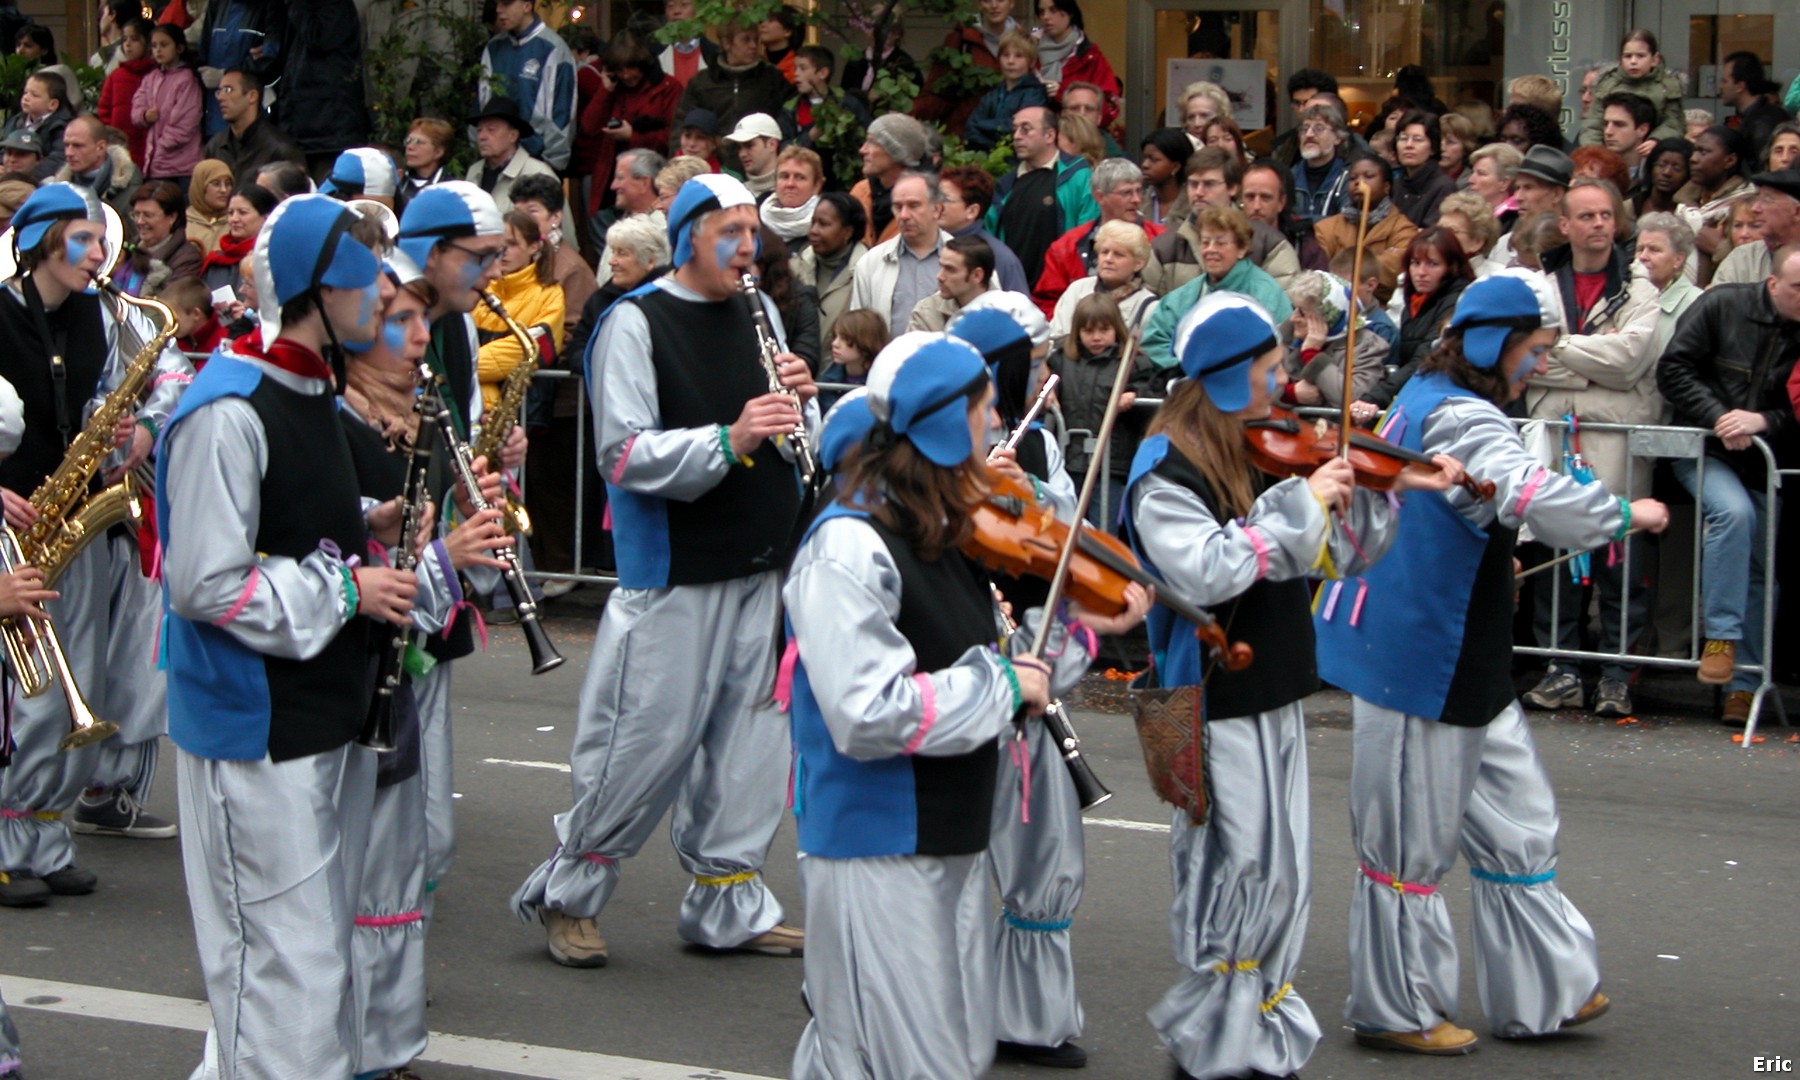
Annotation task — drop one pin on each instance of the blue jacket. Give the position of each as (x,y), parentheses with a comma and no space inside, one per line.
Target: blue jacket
(1314,204)
(993,114)
(538,72)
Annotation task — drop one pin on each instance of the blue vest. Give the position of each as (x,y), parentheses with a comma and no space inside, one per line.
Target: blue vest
(907,804)
(1431,636)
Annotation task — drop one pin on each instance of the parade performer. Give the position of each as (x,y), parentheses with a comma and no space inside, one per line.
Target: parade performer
(383,429)
(454,234)
(1443,757)
(704,507)
(1222,534)
(270,600)
(67,351)
(900,690)
(22,593)
(1036,852)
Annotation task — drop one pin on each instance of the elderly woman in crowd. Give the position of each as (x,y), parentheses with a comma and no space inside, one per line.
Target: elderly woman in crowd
(1225,235)
(1466,215)
(677,172)
(834,247)
(427,153)
(1320,339)
(1491,172)
(1121,251)
(208,196)
(1201,104)
(799,180)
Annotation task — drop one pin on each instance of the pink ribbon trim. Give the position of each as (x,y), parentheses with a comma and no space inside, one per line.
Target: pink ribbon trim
(784,675)
(602,860)
(1362,593)
(16,815)
(929,694)
(169,377)
(1530,491)
(382,922)
(1262,551)
(618,473)
(481,630)
(1408,887)
(243,600)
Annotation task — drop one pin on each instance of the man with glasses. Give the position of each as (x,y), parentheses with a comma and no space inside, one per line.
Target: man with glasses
(1048,194)
(1320,174)
(250,139)
(1776,213)
(1303,88)
(966,193)
(1086,99)
(1119,189)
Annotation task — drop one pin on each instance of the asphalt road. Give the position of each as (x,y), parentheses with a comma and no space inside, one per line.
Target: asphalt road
(1679,847)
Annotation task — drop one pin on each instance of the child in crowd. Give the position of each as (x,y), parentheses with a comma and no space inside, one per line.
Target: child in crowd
(1018,88)
(1087,363)
(1376,320)
(1641,71)
(167,105)
(197,326)
(856,338)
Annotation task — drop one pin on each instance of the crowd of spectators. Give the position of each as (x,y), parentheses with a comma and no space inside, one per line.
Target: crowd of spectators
(1670,236)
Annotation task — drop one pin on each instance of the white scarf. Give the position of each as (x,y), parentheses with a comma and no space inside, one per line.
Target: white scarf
(789,223)
(1052,54)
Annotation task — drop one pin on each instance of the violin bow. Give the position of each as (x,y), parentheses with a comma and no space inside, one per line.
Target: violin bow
(1356,264)
(1560,559)
(1051,381)
(1096,463)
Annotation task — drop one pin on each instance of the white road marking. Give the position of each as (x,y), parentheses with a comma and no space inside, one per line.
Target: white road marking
(509,1058)
(1100,822)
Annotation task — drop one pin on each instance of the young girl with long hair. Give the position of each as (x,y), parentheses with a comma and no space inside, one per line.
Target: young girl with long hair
(901,685)
(1444,759)
(1225,536)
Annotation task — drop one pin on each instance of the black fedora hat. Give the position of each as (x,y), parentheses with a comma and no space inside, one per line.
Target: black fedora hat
(1786,181)
(503,108)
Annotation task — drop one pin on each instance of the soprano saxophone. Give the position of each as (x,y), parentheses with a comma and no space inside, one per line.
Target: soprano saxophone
(69,518)
(496,424)
(767,350)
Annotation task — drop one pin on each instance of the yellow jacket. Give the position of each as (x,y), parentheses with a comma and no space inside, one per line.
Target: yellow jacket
(530,304)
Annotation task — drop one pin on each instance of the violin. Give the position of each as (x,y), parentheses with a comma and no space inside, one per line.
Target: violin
(1014,535)
(1283,445)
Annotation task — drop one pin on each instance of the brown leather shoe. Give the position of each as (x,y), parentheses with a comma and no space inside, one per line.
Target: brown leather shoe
(574,942)
(1445,1040)
(1737,708)
(1594,1009)
(1716,661)
(779,940)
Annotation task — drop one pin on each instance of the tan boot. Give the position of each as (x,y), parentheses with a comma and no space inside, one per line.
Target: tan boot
(1444,1040)
(574,942)
(780,940)
(1737,708)
(1716,661)
(1594,1009)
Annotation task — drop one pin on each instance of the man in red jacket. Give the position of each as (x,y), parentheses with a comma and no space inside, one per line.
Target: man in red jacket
(1119,189)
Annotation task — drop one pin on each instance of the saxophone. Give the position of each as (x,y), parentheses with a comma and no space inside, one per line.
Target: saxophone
(68,519)
(497,424)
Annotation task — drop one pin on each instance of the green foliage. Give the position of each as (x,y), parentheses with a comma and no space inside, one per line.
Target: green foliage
(88,77)
(427,64)
(994,162)
(963,77)
(13,70)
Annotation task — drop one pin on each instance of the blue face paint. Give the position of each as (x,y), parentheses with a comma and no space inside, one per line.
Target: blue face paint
(471,273)
(725,249)
(368,302)
(1528,367)
(394,332)
(75,250)
(1270,383)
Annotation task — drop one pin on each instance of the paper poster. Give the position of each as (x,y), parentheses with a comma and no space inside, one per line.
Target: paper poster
(1246,81)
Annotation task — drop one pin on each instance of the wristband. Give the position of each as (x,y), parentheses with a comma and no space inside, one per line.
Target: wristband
(1625,527)
(1012,679)
(148,425)
(352,595)
(732,457)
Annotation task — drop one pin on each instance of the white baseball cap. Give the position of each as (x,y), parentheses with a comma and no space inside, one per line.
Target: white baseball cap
(755,126)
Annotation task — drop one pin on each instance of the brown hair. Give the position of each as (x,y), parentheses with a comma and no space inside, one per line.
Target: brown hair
(1448,358)
(1225,219)
(185,293)
(928,505)
(863,330)
(438,131)
(973,182)
(806,157)
(1019,41)
(1094,309)
(1084,135)
(1211,440)
(531,234)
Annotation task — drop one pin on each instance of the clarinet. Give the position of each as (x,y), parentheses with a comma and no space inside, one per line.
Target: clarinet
(768,350)
(1089,791)
(390,674)
(544,656)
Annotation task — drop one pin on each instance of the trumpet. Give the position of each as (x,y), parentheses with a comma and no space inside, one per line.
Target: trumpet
(33,647)
(768,350)
(544,656)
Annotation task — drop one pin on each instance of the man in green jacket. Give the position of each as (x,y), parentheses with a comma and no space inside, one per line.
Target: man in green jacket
(1048,194)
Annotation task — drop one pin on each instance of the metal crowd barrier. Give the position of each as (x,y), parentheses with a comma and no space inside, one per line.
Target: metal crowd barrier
(1643,442)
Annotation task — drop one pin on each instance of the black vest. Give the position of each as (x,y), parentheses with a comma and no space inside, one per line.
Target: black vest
(25,362)
(945,609)
(1273,617)
(706,368)
(310,495)
(1483,684)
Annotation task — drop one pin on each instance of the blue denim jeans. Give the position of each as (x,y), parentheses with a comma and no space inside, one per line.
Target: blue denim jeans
(1734,570)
